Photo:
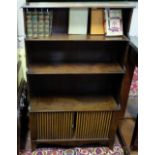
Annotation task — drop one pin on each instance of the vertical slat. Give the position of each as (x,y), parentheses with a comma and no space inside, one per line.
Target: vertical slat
(110,114)
(57,129)
(52,115)
(47,126)
(109,122)
(60,124)
(55,126)
(40,125)
(77,123)
(42,129)
(70,128)
(36,119)
(106,123)
(100,117)
(102,129)
(87,125)
(44,118)
(96,124)
(82,126)
(65,125)
(61,119)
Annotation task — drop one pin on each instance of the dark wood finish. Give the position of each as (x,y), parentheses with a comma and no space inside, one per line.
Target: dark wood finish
(74,103)
(122,142)
(131,63)
(75,84)
(78,84)
(72,142)
(134,141)
(127,14)
(49,52)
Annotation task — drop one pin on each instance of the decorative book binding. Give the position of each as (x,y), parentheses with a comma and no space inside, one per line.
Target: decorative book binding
(38,23)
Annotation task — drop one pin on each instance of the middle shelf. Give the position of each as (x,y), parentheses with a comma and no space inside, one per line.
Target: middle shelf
(76,68)
(73,103)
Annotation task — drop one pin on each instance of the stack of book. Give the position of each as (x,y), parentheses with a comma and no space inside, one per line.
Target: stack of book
(38,23)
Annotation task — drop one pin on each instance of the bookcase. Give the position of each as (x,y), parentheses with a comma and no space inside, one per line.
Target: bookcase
(78,84)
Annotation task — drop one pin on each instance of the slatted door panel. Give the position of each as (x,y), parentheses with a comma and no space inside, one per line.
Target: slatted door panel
(93,124)
(51,125)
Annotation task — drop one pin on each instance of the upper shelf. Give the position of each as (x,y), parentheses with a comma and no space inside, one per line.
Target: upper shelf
(79,38)
(82,5)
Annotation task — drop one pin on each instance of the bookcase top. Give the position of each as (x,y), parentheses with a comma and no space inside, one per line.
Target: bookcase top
(81,5)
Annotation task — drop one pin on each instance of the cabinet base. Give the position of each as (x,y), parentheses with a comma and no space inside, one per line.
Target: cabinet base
(72,143)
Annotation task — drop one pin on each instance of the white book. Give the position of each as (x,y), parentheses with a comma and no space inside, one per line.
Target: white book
(78,20)
(114,24)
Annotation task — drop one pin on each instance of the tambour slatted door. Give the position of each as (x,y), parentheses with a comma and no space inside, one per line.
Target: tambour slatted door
(93,124)
(51,125)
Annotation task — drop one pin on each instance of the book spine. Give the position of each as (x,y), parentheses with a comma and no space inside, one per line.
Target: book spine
(35,23)
(29,31)
(47,23)
(41,23)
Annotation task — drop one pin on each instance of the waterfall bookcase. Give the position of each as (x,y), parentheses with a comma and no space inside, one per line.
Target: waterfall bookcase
(78,84)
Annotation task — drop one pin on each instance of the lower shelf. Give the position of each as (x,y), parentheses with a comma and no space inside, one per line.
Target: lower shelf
(73,103)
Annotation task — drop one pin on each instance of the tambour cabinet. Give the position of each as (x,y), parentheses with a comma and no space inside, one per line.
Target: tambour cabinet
(78,84)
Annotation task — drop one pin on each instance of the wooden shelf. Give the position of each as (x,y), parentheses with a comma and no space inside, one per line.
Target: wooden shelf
(66,37)
(98,68)
(81,5)
(77,103)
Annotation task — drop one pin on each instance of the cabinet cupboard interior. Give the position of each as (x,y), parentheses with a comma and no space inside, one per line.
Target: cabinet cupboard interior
(77,89)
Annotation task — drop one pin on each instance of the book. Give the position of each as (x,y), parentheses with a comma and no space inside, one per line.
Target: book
(78,21)
(41,23)
(114,24)
(28,16)
(35,24)
(97,22)
(47,23)
(60,21)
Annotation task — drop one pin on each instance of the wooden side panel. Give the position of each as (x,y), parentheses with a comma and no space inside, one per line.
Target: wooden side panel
(47,125)
(93,124)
